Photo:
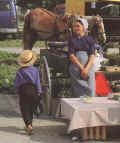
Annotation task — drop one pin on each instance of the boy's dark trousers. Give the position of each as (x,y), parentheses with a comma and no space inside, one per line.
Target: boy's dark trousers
(27,100)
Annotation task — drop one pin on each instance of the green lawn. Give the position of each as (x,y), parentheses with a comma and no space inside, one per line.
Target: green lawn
(18,43)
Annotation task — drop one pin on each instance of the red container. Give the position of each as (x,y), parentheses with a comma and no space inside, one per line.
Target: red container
(102,86)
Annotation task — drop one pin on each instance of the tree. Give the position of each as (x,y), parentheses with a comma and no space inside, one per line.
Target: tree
(29,4)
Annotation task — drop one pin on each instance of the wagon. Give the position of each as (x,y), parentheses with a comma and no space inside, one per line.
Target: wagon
(54,73)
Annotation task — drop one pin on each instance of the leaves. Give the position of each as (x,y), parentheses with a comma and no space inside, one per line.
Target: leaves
(7,72)
(29,4)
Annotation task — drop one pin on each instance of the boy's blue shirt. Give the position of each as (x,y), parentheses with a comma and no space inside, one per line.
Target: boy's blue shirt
(31,73)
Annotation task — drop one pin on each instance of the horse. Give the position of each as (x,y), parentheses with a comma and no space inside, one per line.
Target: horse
(44,25)
(41,24)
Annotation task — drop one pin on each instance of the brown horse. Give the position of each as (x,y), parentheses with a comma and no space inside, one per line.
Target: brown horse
(40,24)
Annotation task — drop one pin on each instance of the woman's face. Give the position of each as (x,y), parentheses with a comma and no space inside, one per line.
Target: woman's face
(78,28)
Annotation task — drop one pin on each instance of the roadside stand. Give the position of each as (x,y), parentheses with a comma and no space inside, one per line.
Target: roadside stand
(91,116)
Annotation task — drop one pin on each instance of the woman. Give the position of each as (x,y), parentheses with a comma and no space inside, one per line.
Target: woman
(27,84)
(81,55)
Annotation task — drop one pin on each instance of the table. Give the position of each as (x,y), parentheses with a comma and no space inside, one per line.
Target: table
(101,112)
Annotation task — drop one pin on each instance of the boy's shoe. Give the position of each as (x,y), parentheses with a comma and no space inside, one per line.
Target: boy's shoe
(29,129)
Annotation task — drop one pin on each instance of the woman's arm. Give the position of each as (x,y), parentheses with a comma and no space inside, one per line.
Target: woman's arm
(84,72)
(90,62)
(74,60)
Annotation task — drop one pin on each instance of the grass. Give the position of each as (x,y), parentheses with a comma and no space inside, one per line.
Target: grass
(10,43)
(18,43)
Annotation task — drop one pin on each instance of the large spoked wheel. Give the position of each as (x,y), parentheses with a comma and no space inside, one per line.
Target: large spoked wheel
(46,85)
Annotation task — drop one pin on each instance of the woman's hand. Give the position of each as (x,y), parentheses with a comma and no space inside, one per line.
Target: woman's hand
(84,74)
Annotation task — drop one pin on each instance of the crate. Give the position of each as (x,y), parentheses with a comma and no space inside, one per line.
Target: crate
(94,133)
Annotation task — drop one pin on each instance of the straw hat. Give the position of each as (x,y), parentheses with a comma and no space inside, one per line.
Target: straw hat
(27,58)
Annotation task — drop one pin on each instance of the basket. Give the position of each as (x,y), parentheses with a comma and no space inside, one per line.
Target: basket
(112,68)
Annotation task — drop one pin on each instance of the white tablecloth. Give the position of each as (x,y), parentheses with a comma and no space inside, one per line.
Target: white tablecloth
(101,112)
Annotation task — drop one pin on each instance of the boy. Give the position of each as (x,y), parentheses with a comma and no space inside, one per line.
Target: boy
(27,84)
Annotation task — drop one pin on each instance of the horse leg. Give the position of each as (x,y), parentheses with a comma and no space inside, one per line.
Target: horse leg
(29,40)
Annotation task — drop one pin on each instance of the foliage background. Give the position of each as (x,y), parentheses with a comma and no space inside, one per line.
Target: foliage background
(8,67)
(29,4)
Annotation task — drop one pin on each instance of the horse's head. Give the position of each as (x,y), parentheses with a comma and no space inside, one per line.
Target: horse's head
(63,27)
(96,29)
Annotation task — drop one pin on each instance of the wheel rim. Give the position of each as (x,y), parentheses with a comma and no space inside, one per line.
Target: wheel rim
(46,84)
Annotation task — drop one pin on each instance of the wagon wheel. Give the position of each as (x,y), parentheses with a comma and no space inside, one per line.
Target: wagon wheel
(46,85)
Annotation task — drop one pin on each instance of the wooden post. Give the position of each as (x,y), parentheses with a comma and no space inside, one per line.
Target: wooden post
(103,133)
(97,132)
(91,133)
(85,134)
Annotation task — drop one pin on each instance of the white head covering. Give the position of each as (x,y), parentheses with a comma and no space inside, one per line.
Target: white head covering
(84,22)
